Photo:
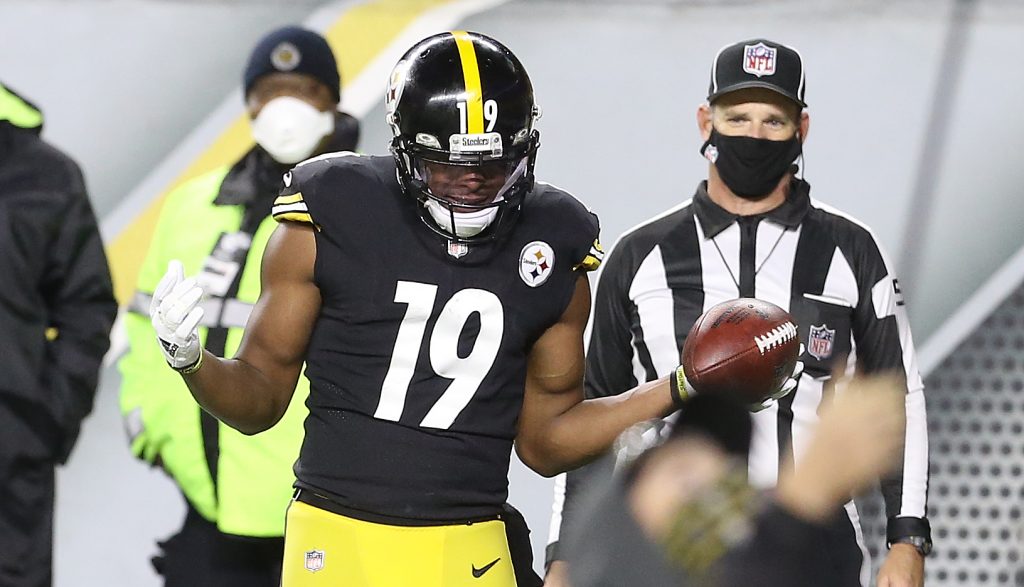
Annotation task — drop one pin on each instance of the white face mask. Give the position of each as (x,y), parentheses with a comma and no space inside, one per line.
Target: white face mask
(290,129)
(466,223)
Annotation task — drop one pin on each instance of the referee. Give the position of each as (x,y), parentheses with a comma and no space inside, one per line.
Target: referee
(752,230)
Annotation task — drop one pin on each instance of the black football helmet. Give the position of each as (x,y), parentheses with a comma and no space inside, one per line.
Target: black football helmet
(463,99)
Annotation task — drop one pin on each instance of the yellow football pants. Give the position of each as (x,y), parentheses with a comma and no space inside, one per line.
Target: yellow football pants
(324,549)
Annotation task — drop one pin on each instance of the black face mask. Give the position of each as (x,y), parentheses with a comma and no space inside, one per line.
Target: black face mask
(751,167)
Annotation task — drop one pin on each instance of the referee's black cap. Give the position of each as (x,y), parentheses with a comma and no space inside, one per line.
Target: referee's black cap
(758,63)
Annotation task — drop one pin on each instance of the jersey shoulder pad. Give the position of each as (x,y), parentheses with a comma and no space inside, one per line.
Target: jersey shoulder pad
(593,259)
(579,222)
(302,184)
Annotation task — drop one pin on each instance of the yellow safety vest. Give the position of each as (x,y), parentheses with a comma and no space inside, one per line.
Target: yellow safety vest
(254,473)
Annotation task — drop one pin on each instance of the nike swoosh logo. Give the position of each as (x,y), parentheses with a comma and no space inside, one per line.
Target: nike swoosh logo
(477,573)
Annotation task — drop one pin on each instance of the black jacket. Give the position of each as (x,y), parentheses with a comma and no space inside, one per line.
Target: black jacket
(56,298)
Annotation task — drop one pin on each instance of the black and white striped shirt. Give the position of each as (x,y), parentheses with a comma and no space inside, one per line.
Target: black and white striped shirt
(824,267)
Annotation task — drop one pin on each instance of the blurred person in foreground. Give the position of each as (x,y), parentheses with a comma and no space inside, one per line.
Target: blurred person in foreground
(236,487)
(752,229)
(682,513)
(56,310)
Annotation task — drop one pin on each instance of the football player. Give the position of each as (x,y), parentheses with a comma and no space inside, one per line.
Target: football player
(438,297)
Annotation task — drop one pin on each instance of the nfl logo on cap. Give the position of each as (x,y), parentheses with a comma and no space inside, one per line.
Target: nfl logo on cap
(758,63)
(759,59)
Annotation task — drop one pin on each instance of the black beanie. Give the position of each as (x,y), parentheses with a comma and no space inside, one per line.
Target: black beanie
(293,49)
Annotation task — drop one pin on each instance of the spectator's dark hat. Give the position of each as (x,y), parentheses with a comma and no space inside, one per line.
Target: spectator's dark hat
(758,63)
(293,49)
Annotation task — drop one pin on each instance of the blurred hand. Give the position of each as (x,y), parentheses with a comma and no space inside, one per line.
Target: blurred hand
(857,440)
(175,316)
(676,473)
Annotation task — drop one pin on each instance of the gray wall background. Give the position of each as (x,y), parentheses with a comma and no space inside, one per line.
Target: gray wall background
(920,143)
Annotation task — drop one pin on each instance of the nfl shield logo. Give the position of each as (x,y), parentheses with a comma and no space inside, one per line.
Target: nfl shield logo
(819,343)
(314,560)
(759,59)
(457,250)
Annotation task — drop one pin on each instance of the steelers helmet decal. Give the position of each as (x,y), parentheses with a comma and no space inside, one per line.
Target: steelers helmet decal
(393,94)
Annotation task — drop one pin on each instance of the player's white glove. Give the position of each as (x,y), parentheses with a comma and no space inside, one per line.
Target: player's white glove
(787,387)
(175,314)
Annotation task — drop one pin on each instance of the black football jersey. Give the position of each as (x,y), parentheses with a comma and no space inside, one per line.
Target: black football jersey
(418,359)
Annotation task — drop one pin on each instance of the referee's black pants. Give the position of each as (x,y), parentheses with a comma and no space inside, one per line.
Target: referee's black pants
(27,448)
(200,555)
(841,553)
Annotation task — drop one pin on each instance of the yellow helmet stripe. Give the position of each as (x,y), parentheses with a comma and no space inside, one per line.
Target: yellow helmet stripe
(471,74)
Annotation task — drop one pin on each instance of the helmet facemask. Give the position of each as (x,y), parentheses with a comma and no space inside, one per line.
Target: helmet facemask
(466,197)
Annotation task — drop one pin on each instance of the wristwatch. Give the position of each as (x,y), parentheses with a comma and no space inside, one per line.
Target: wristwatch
(916,532)
(923,544)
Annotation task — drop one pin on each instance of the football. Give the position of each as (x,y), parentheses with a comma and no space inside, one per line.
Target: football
(745,348)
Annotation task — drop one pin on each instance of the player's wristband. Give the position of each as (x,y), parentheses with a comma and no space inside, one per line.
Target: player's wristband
(680,388)
(190,369)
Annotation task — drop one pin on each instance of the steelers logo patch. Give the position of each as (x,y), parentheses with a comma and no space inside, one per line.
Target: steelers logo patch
(285,57)
(536,263)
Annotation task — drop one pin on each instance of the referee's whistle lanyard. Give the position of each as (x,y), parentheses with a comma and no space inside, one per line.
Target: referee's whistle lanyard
(751,167)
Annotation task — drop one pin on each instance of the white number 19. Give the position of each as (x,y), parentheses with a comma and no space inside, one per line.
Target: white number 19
(466,372)
(490,115)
